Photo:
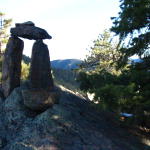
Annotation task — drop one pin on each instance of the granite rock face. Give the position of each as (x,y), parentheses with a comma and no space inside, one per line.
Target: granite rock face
(40,71)
(29,31)
(73,124)
(11,67)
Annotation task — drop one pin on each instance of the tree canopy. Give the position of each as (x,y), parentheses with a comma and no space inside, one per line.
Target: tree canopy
(103,55)
(4,25)
(120,85)
(133,27)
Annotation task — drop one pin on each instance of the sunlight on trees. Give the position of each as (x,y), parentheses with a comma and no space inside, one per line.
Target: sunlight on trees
(4,25)
(121,86)
(25,71)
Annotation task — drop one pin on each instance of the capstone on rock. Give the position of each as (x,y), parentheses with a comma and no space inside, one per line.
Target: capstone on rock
(29,31)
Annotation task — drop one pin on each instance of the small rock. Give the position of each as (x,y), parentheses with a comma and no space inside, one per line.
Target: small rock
(39,100)
(28,23)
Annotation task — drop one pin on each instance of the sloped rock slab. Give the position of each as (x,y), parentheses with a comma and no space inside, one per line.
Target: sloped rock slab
(70,125)
(29,31)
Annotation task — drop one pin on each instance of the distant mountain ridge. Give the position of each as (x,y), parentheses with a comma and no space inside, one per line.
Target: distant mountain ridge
(66,64)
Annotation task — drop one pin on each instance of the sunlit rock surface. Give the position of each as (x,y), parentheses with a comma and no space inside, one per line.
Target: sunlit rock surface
(73,124)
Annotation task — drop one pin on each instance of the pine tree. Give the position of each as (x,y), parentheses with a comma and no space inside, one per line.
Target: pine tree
(133,27)
(4,25)
(99,68)
(103,55)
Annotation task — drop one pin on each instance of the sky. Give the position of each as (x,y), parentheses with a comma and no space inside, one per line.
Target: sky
(73,24)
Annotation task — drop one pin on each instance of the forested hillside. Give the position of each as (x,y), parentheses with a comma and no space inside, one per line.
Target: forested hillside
(66,64)
(66,78)
(65,72)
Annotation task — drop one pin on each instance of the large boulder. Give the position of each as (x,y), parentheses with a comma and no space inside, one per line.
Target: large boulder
(73,124)
(40,71)
(40,100)
(30,31)
(11,67)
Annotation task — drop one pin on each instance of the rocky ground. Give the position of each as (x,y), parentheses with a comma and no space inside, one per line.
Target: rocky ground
(73,124)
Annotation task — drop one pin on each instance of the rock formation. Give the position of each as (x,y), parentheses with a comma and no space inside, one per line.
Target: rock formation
(40,72)
(30,31)
(41,93)
(11,68)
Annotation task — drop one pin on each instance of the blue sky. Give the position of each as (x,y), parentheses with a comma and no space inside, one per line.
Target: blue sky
(73,24)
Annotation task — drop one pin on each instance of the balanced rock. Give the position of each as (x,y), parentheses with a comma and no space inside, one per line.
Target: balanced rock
(39,100)
(11,67)
(40,70)
(30,31)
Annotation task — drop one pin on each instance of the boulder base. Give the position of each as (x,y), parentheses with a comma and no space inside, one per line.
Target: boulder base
(39,100)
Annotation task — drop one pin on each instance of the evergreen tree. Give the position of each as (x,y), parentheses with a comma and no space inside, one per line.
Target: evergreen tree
(4,25)
(125,89)
(133,27)
(25,70)
(99,68)
(103,55)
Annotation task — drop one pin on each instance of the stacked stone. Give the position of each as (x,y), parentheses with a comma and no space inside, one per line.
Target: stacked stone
(40,72)
(11,67)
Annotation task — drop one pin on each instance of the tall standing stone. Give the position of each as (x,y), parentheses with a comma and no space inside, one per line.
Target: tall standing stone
(11,67)
(40,71)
